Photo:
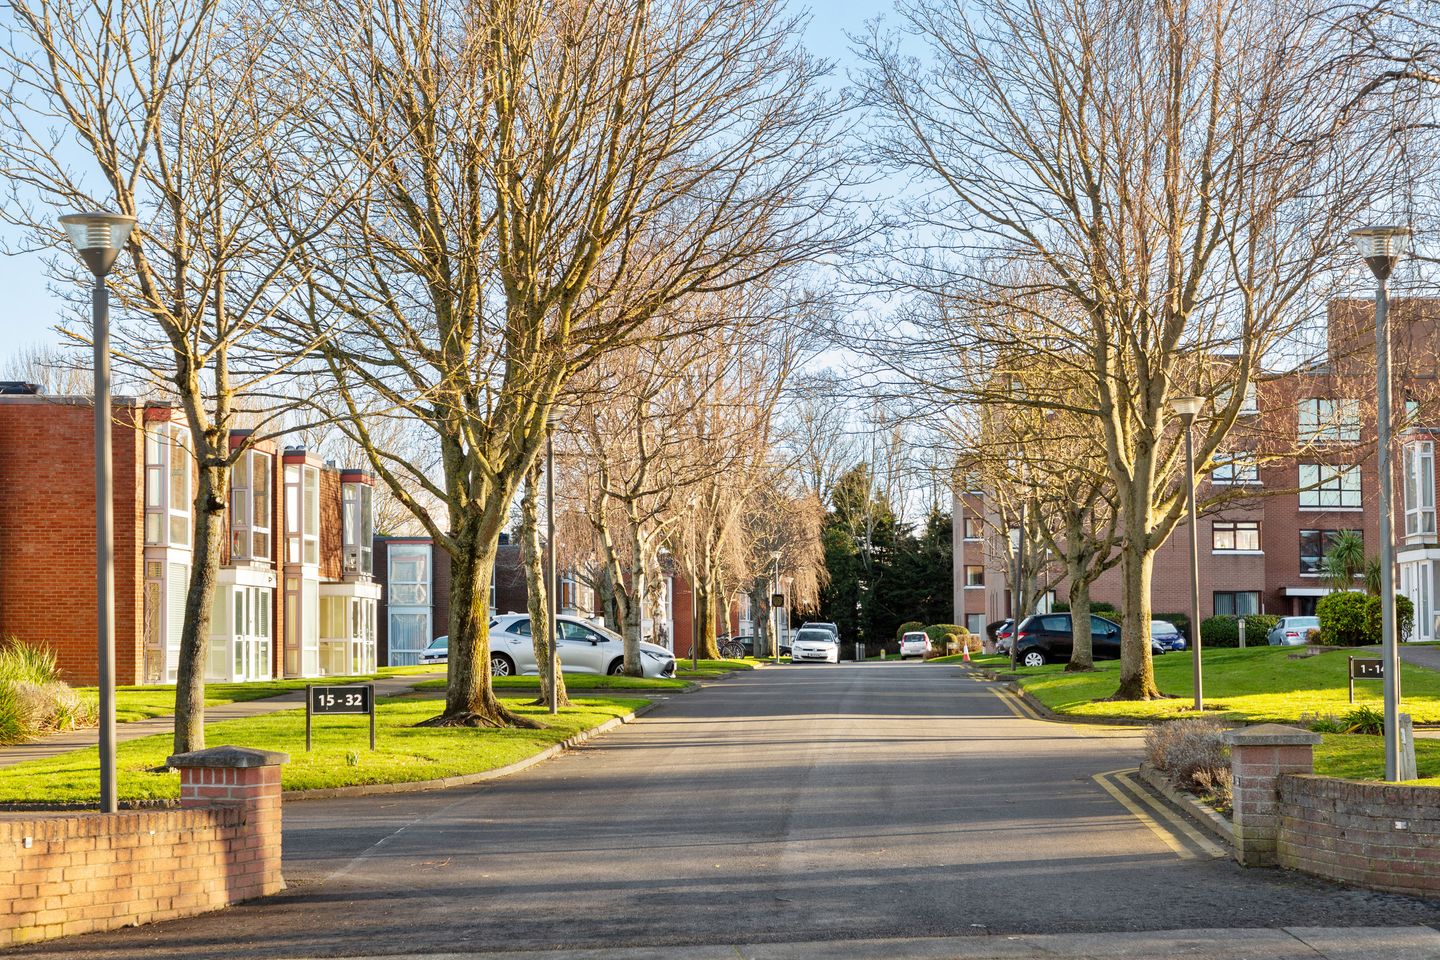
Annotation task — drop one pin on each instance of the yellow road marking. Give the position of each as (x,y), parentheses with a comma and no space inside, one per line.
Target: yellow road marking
(1182,851)
(1177,819)
(1010,705)
(1018,705)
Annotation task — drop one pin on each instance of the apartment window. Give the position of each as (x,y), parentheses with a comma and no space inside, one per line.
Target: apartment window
(1325,485)
(1314,545)
(974,529)
(1420,489)
(358,528)
(1248,405)
(250,507)
(312,515)
(1322,419)
(1237,603)
(974,575)
(1236,469)
(975,623)
(167,485)
(302,514)
(1235,535)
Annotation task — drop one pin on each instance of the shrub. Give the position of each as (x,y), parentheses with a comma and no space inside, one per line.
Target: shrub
(937,631)
(1365,720)
(907,627)
(1342,618)
(1218,787)
(1326,723)
(1221,630)
(33,700)
(1183,748)
(1404,618)
(1257,628)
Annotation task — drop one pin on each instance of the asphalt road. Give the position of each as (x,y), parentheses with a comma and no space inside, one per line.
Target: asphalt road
(809,803)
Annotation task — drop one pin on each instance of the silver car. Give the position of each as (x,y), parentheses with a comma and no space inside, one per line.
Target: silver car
(1292,631)
(814,645)
(584,648)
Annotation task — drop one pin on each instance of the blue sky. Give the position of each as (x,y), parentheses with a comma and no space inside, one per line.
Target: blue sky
(32,310)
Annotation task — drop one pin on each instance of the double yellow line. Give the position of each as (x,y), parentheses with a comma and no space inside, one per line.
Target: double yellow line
(1018,705)
(1135,798)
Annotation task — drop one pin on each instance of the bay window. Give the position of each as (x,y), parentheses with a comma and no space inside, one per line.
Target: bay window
(1420,489)
(250,508)
(358,528)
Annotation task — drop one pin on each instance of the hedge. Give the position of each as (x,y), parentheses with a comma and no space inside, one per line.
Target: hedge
(1223,630)
(908,626)
(937,631)
(1352,619)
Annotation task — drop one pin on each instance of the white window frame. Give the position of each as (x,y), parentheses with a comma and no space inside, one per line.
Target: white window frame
(1420,489)
(979,528)
(358,528)
(1238,469)
(1248,406)
(249,517)
(970,583)
(1328,419)
(1330,486)
(1234,529)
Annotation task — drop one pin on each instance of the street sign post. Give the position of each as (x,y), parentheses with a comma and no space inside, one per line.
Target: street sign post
(358,698)
(1365,668)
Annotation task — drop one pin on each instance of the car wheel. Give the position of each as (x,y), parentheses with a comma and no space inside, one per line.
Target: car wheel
(501,665)
(617,666)
(1033,658)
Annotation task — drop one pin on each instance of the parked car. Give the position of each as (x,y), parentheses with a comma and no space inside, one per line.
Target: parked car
(914,644)
(437,652)
(834,630)
(1046,638)
(584,648)
(1292,631)
(814,644)
(1002,634)
(748,644)
(1167,635)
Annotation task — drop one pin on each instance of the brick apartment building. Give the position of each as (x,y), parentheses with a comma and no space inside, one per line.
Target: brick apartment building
(415,574)
(1300,468)
(295,596)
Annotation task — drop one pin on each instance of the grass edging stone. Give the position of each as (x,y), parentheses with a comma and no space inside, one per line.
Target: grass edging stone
(1016,687)
(1208,819)
(466,779)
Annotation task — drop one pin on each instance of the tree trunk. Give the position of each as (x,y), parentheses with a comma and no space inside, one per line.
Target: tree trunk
(538,592)
(705,606)
(635,602)
(1137,671)
(1082,654)
(209,535)
(470,699)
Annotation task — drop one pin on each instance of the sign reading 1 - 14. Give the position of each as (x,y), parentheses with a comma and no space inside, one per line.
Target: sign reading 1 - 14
(1365,668)
(353,698)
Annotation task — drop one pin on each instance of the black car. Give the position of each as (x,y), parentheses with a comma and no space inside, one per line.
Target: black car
(1046,638)
(748,642)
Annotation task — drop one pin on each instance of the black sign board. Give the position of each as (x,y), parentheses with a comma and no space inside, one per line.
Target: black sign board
(1365,668)
(777,600)
(352,698)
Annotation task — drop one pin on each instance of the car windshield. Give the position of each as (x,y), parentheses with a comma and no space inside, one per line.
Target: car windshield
(439,643)
(914,638)
(814,635)
(1303,622)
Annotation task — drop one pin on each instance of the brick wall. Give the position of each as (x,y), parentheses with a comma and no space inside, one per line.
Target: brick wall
(47,531)
(331,533)
(61,876)
(1377,835)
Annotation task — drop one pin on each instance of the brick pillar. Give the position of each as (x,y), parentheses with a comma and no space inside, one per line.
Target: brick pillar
(249,779)
(1258,757)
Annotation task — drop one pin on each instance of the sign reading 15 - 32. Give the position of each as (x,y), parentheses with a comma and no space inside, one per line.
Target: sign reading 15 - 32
(353,698)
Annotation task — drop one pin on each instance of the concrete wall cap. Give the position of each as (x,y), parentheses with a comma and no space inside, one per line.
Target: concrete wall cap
(229,757)
(1271,735)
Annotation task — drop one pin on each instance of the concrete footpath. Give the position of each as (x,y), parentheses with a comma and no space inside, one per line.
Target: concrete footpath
(1286,943)
(59,743)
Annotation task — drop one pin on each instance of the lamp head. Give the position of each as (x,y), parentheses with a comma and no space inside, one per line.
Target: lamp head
(99,236)
(1187,407)
(1382,246)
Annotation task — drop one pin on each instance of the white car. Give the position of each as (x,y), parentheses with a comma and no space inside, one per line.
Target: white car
(914,644)
(584,648)
(814,645)
(436,653)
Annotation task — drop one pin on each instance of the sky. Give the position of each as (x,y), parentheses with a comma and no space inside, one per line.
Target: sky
(31,309)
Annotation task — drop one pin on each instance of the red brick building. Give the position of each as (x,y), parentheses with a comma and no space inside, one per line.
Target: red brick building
(294,593)
(1300,467)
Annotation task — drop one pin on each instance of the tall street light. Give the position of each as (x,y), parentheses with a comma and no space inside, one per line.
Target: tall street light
(1187,408)
(551,420)
(100,237)
(774,613)
(1381,247)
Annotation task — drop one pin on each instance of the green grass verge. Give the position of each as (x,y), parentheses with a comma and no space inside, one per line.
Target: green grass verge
(979,659)
(579,681)
(1359,757)
(1254,685)
(405,753)
(142,703)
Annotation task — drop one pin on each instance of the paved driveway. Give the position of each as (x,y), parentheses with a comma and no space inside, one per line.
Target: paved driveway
(809,803)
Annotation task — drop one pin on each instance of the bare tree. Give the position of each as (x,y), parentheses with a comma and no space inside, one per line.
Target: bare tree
(1152,169)
(184,124)
(543,180)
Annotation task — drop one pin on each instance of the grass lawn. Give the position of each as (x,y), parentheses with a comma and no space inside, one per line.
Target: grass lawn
(1358,757)
(579,681)
(141,703)
(405,752)
(991,660)
(1253,685)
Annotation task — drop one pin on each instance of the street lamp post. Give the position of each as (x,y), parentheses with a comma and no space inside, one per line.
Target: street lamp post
(100,237)
(551,420)
(1381,247)
(1187,408)
(775,614)
(1017,591)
